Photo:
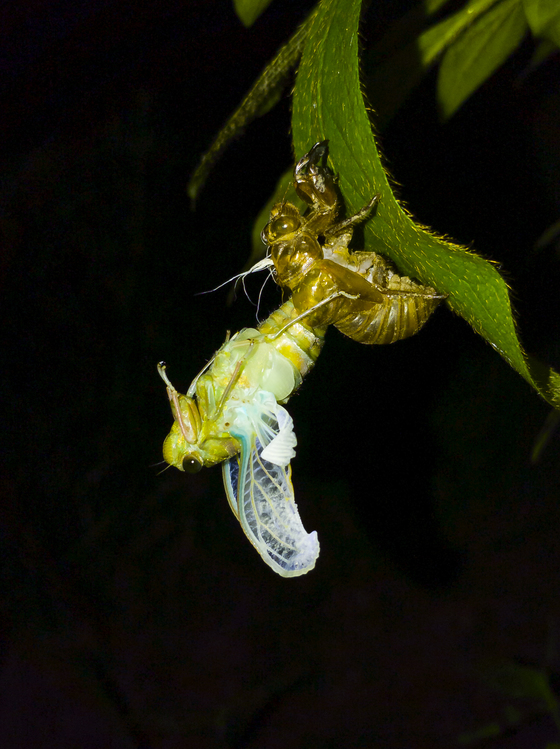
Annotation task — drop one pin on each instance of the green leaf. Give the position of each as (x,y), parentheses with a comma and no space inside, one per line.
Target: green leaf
(406,52)
(328,103)
(432,6)
(545,435)
(261,97)
(523,682)
(552,32)
(249,10)
(517,681)
(489,731)
(541,14)
(478,52)
(544,49)
(436,39)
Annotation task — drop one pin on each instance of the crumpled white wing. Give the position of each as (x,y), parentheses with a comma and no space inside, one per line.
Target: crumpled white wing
(281,449)
(260,491)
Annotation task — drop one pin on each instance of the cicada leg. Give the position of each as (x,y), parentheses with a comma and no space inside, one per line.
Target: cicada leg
(234,377)
(314,184)
(192,388)
(357,218)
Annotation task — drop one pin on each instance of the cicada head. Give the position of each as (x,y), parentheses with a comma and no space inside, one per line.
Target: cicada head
(186,446)
(293,250)
(285,222)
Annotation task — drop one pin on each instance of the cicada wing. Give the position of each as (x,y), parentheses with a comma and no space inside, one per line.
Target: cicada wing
(261,494)
(230,473)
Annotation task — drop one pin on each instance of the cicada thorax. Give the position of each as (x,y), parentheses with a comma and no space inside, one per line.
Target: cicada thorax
(357,292)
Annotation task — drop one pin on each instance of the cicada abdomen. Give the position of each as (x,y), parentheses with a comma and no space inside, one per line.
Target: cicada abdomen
(232,413)
(357,292)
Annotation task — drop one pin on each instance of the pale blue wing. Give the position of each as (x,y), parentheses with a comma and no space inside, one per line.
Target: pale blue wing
(260,491)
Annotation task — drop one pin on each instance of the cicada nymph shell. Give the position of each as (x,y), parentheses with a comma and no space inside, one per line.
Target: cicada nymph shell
(357,292)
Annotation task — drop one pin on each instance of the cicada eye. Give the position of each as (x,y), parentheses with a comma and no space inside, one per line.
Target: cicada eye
(283,225)
(191,465)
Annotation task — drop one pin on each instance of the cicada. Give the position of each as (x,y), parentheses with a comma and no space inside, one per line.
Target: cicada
(357,292)
(232,412)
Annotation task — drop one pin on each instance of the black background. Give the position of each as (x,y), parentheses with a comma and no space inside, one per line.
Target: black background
(135,613)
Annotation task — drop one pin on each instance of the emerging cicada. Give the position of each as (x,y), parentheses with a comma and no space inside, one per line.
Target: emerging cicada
(231,413)
(357,292)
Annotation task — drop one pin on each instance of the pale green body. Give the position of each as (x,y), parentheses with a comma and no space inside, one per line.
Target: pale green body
(263,359)
(231,414)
